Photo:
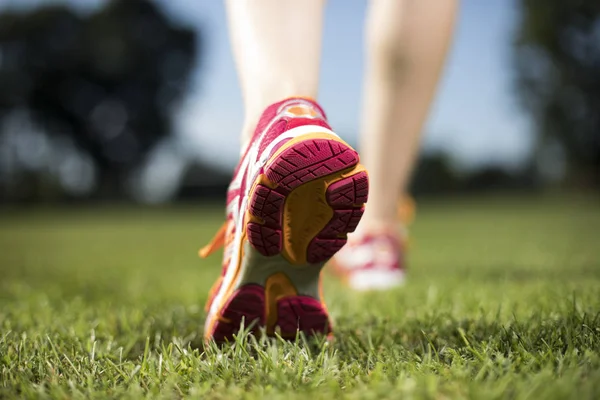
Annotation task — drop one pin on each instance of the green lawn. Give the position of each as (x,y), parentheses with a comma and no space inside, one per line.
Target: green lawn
(502,301)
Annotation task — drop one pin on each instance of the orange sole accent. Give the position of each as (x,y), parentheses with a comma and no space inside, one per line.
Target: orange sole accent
(277,287)
(307,212)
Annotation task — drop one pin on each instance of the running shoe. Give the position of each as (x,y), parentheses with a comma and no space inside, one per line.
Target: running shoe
(297,192)
(374,258)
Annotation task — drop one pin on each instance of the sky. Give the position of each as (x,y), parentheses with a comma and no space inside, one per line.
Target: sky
(476,116)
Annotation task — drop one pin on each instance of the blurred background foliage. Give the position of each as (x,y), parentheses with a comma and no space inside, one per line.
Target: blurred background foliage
(85,100)
(557,58)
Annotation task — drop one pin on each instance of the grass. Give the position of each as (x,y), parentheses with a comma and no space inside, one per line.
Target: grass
(503,301)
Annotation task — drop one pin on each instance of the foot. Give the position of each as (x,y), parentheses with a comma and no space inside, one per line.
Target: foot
(296,193)
(372,260)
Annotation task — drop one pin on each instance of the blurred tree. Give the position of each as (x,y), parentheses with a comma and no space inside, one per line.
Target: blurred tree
(105,83)
(557,57)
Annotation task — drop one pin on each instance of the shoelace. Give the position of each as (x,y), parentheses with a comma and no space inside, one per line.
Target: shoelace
(215,243)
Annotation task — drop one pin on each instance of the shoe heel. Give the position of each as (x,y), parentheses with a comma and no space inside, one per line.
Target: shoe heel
(309,197)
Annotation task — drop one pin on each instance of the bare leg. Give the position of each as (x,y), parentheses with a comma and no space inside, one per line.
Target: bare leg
(407,41)
(277,47)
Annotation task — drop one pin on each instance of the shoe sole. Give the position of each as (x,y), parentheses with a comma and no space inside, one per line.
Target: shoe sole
(310,195)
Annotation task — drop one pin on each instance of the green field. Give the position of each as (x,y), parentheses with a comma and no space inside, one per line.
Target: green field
(502,301)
